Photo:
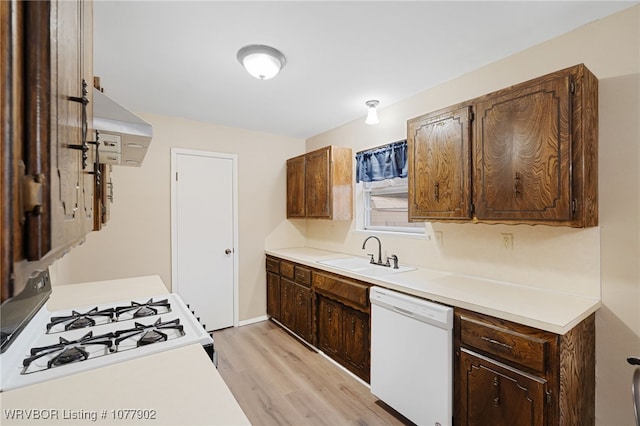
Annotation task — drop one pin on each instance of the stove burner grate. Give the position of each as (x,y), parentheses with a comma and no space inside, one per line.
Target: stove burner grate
(79,320)
(148,333)
(152,336)
(68,356)
(147,309)
(68,351)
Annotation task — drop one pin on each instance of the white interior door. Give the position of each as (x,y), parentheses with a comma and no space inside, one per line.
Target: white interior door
(204,234)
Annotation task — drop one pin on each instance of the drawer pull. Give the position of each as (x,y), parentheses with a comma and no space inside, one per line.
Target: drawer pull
(495,342)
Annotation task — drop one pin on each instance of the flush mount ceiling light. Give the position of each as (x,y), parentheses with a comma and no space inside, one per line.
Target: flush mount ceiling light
(372,114)
(262,62)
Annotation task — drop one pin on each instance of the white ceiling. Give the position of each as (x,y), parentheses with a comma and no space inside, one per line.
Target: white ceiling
(178,58)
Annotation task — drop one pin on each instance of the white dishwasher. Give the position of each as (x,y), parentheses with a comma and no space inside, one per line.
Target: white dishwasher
(412,356)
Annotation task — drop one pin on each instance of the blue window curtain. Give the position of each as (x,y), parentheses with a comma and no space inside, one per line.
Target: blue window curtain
(385,162)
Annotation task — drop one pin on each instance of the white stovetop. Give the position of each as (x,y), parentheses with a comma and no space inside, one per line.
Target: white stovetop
(551,311)
(179,387)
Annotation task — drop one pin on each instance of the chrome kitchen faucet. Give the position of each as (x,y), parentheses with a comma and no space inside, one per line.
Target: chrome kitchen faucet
(379,262)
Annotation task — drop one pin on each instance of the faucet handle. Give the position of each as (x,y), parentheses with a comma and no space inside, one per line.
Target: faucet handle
(395,261)
(372,260)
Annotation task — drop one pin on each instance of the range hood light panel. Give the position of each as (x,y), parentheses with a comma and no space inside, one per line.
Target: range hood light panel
(112,118)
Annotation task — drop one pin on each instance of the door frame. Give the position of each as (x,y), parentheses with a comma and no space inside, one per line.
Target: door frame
(234,164)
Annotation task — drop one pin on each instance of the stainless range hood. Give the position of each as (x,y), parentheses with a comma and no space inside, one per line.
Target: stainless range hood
(124,137)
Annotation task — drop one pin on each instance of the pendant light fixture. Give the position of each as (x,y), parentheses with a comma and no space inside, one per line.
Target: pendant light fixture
(372,114)
(262,62)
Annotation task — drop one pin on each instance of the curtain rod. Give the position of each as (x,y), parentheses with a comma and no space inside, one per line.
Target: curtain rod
(380,146)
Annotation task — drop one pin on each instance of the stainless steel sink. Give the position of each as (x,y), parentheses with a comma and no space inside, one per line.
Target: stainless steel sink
(363,266)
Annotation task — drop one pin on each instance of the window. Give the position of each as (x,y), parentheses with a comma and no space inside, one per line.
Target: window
(382,176)
(385,206)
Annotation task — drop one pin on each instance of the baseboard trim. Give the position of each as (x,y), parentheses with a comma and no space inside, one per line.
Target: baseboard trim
(313,348)
(252,320)
(340,366)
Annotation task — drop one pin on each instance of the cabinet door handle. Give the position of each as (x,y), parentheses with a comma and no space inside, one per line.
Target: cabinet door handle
(436,191)
(84,147)
(516,185)
(496,391)
(96,163)
(495,342)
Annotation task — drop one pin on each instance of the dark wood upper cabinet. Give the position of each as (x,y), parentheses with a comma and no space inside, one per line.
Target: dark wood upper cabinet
(48,181)
(320,184)
(295,187)
(532,149)
(440,173)
(523,153)
(72,181)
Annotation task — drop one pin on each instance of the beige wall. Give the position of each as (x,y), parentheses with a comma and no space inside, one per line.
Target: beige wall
(591,262)
(137,240)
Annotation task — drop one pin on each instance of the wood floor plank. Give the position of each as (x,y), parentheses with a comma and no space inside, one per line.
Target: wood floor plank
(277,380)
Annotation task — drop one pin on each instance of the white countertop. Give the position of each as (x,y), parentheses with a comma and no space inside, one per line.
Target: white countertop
(551,311)
(176,387)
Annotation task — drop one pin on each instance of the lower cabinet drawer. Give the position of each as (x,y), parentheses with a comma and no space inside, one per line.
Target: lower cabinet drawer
(303,276)
(350,292)
(273,265)
(286,269)
(504,340)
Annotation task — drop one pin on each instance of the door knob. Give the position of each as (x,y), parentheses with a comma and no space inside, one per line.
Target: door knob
(228,251)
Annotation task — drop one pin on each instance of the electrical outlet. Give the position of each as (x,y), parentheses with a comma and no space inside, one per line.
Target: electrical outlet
(507,241)
(439,238)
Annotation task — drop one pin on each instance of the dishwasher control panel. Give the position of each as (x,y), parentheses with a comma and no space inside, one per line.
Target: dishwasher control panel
(411,306)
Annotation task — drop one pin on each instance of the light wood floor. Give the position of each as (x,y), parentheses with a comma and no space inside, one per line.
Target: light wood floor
(277,380)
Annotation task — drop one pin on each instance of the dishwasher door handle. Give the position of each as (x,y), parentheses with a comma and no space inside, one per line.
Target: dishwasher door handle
(403,311)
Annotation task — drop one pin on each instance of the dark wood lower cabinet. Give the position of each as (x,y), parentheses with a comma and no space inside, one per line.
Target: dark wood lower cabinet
(514,375)
(287,303)
(303,312)
(494,394)
(343,334)
(327,311)
(330,327)
(505,374)
(273,295)
(295,308)
(357,346)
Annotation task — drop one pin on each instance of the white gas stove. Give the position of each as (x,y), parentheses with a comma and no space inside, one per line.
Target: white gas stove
(58,344)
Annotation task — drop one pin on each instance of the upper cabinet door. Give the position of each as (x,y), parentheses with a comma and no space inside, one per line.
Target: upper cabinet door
(71,178)
(295,187)
(56,121)
(439,165)
(318,184)
(533,150)
(522,150)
